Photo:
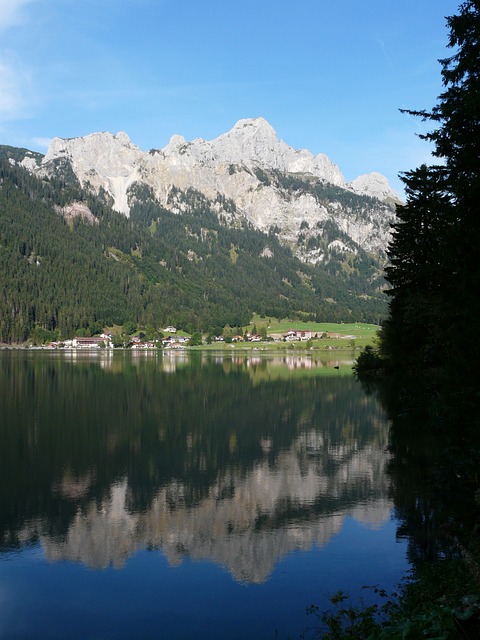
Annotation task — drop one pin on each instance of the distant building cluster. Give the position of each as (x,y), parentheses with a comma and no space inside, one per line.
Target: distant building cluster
(103,341)
(175,341)
(106,341)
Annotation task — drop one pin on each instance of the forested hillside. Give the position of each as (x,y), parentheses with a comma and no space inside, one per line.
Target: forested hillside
(62,272)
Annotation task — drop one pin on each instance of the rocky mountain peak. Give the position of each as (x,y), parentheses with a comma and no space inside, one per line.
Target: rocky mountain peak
(102,152)
(250,141)
(374,185)
(270,183)
(258,124)
(256,131)
(176,141)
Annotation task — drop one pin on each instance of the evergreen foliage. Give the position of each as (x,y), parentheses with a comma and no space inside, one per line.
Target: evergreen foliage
(431,345)
(435,270)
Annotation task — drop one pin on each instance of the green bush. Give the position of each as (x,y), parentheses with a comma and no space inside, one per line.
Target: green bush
(369,361)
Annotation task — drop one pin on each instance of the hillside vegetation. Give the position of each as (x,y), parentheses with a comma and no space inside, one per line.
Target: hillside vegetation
(61,273)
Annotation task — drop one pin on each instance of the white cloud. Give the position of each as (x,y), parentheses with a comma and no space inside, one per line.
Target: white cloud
(385,54)
(43,143)
(15,81)
(11,13)
(15,89)
(10,91)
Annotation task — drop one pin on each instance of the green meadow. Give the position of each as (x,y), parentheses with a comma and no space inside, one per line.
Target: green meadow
(348,337)
(352,335)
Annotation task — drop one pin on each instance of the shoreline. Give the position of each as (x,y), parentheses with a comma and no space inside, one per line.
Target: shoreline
(227,348)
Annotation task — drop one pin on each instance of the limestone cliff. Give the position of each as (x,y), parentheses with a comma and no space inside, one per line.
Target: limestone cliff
(270,184)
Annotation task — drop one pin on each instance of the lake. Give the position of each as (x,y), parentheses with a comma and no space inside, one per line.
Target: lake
(189,494)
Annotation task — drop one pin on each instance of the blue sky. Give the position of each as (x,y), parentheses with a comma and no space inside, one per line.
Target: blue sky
(329,75)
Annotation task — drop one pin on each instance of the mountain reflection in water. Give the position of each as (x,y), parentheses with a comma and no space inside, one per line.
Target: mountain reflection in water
(239,461)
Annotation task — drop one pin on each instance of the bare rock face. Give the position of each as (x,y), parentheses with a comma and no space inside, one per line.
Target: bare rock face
(101,160)
(253,142)
(77,210)
(374,185)
(270,183)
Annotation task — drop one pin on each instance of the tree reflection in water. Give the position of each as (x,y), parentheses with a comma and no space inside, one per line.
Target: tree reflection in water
(239,461)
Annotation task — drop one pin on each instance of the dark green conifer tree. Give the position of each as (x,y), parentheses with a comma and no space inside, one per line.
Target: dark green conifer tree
(434,267)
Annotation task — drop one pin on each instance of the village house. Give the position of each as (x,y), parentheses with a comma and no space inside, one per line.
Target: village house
(253,337)
(144,345)
(174,345)
(292,335)
(176,342)
(92,342)
(170,329)
(303,336)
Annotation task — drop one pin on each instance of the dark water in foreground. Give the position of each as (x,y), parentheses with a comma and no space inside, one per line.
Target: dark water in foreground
(177,496)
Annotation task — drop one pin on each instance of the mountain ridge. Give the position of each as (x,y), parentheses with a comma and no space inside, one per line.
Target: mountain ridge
(271,184)
(251,140)
(191,257)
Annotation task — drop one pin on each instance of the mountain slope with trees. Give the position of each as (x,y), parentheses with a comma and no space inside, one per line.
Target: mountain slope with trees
(61,272)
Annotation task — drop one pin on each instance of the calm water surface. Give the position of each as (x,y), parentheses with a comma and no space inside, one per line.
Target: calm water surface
(187,495)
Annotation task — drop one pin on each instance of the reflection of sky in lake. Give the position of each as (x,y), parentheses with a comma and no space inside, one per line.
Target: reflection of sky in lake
(192,599)
(157,516)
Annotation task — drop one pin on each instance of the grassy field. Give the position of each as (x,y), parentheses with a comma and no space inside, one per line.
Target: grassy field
(352,337)
(363,333)
(282,326)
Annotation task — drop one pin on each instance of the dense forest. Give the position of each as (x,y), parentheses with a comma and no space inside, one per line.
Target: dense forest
(60,274)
